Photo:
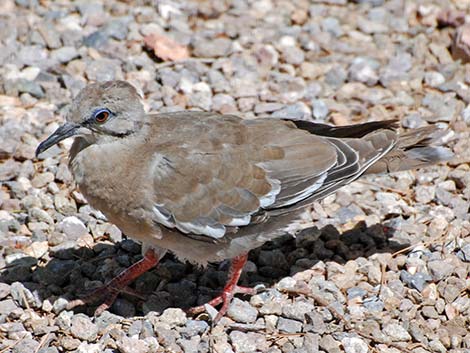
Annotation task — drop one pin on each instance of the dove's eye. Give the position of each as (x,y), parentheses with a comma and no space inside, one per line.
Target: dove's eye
(101,115)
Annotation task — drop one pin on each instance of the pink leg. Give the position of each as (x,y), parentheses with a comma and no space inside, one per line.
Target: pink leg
(112,289)
(231,288)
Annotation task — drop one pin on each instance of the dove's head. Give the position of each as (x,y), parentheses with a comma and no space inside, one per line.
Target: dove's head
(101,111)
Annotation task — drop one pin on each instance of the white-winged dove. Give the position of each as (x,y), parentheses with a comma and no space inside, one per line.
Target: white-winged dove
(210,187)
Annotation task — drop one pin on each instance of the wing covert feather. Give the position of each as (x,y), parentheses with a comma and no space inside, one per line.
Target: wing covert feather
(224,170)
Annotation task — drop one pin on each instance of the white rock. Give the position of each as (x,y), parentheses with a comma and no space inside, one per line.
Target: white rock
(354,345)
(72,227)
(89,348)
(396,332)
(434,78)
(5,216)
(30,73)
(287,283)
(174,316)
(201,87)
(287,41)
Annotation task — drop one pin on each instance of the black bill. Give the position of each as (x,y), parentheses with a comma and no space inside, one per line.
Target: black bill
(66,130)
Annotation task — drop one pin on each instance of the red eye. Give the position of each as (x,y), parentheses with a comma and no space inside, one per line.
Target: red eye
(102,115)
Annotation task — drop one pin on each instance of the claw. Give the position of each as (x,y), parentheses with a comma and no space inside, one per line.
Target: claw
(118,284)
(230,289)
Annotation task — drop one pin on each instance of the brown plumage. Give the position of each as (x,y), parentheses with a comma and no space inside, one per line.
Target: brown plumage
(210,187)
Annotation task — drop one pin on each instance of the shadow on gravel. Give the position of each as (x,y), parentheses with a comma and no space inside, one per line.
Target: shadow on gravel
(71,272)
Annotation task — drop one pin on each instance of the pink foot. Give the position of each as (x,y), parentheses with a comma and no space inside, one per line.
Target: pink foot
(230,289)
(118,284)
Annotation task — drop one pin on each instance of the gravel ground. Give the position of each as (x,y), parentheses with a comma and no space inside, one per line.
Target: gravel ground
(381,266)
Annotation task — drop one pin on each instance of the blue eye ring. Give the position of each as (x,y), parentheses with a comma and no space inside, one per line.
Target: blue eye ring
(101,115)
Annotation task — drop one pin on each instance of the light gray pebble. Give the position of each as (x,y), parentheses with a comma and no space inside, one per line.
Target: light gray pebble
(464,253)
(106,319)
(412,121)
(210,48)
(7,306)
(24,297)
(131,345)
(59,305)
(40,215)
(329,344)
(425,193)
(4,290)
(336,76)
(42,179)
(64,54)
(332,26)
(452,291)
(118,28)
(429,312)
(439,269)
(287,283)
(41,327)
(417,281)
(320,109)
(242,311)
(190,345)
(167,336)
(24,86)
(406,305)
(50,34)
(364,70)
(48,350)
(355,292)
(442,108)
(241,342)
(267,107)
(354,345)
(83,328)
(466,115)
(315,323)
(397,69)
(194,327)
(72,227)
(114,233)
(64,320)
(201,99)
(218,82)
(298,111)
(25,345)
(373,304)
(396,332)
(288,325)
(372,27)
(292,55)
(103,70)
(174,317)
(297,310)
(87,9)
(437,346)
(242,87)
(223,103)
(33,55)
(434,78)
(96,39)
(313,90)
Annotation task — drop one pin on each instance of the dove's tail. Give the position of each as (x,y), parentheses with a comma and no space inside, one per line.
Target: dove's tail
(414,149)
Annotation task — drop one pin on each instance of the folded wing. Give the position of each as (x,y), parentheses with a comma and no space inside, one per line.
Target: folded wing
(223,173)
